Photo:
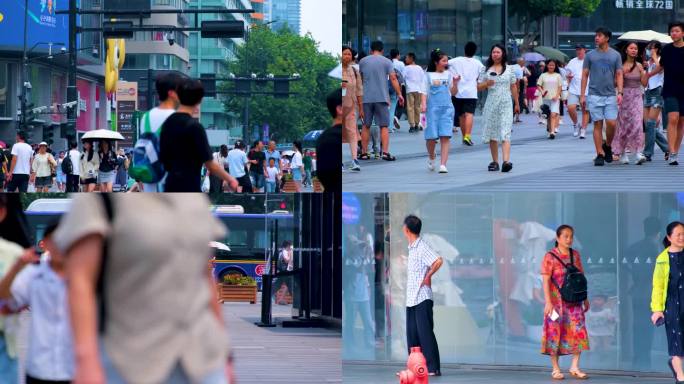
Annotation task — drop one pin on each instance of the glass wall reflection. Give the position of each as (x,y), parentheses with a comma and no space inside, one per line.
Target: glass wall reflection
(488,295)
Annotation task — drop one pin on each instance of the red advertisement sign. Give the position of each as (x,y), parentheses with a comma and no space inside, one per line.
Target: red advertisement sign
(84,107)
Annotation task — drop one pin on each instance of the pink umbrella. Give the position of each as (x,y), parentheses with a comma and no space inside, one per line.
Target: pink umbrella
(2,145)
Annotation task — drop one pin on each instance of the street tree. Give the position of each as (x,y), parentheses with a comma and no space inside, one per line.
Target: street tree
(531,13)
(284,53)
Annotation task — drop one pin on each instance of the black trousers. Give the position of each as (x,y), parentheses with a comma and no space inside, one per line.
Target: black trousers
(31,380)
(19,183)
(72,182)
(245,183)
(419,333)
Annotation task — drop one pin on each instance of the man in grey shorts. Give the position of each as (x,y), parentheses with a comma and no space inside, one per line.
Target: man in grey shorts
(603,66)
(375,71)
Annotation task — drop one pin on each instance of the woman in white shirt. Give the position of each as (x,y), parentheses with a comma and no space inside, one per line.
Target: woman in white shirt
(550,85)
(90,164)
(297,165)
(43,164)
(440,86)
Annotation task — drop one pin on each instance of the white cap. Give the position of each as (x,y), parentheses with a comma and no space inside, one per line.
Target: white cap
(42,143)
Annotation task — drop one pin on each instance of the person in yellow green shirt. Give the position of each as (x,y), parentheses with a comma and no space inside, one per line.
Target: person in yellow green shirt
(668,283)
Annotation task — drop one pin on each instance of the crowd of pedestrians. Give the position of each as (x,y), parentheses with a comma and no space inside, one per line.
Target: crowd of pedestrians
(172,154)
(625,94)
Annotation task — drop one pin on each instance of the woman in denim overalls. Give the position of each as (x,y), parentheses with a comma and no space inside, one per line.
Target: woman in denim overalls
(436,101)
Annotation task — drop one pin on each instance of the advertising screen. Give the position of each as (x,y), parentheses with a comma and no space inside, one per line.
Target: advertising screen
(44,25)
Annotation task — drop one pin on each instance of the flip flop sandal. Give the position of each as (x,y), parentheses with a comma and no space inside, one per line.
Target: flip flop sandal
(557,375)
(387,157)
(579,375)
(364,156)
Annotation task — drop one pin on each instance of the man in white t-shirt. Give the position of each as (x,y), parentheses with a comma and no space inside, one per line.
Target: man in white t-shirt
(573,73)
(400,68)
(414,76)
(73,179)
(20,167)
(166,85)
(237,160)
(465,101)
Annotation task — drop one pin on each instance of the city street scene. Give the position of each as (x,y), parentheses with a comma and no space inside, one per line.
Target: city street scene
(167,95)
(508,96)
(248,291)
(468,281)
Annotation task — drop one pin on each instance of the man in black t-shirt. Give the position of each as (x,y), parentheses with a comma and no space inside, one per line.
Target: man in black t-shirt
(671,61)
(184,147)
(257,170)
(328,151)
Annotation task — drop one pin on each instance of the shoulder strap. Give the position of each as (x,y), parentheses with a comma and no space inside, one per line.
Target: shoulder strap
(146,122)
(107,203)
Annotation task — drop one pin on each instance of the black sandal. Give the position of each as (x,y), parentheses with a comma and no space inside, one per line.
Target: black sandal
(493,166)
(387,157)
(506,166)
(364,156)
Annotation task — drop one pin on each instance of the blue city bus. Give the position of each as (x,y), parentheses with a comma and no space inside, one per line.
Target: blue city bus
(250,237)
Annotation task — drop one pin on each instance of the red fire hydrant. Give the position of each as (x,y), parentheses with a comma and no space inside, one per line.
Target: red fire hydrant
(416,372)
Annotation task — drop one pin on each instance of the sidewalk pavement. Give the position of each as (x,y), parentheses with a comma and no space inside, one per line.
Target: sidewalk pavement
(563,164)
(373,373)
(281,355)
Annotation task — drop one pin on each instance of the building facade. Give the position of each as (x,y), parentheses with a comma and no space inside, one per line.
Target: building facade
(488,299)
(212,56)
(47,74)
(420,26)
(619,16)
(283,12)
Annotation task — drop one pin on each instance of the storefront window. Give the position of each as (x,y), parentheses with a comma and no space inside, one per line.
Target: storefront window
(4,90)
(488,294)
(420,26)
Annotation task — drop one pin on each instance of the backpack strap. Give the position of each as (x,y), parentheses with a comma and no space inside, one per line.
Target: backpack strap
(107,203)
(147,126)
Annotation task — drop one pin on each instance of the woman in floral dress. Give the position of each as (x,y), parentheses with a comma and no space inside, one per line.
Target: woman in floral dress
(630,132)
(566,335)
(502,91)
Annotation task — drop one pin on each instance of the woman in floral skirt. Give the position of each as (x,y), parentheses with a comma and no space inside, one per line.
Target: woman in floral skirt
(567,334)
(630,131)
(502,92)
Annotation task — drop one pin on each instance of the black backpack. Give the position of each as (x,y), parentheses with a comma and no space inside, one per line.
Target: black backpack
(574,289)
(67,165)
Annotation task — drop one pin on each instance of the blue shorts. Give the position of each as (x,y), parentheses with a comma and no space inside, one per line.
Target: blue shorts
(602,107)
(440,121)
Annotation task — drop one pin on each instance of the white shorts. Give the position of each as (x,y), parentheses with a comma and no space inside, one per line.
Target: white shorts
(573,99)
(553,105)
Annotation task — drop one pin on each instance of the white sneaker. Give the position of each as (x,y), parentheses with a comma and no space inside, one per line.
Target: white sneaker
(443,169)
(396,123)
(431,165)
(575,131)
(355,166)
(583,133)
(640,158)
(624,159)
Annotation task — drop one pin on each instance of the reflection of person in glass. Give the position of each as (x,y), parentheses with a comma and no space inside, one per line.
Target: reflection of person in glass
(564,331)
(665,297)
(422,264)
(359,262)
(639,275)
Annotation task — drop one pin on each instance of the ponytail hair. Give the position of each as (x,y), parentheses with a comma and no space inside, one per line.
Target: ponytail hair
(435,56)
(560,230)
(670,228)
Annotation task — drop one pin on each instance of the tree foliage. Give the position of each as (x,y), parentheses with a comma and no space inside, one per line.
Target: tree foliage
(531,12)
(285,53)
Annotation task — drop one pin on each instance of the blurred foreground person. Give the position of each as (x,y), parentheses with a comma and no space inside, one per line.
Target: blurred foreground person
(160,318)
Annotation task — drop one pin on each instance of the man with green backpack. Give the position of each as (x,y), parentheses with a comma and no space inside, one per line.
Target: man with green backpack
(145,169)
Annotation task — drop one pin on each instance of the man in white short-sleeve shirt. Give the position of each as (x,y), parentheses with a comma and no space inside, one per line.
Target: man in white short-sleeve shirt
(465,101)
(573,73)
(423,262)
(20,167)
(166,85)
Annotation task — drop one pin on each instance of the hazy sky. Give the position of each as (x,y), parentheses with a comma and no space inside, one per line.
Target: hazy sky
(323,18)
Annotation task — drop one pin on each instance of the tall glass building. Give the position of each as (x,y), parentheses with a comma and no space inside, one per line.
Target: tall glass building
(422,25)
(488,298)
(283,12)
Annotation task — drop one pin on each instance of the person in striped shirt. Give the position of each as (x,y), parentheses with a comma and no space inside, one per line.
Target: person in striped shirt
(423,262)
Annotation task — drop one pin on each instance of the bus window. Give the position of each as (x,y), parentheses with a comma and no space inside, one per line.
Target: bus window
(238,238)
